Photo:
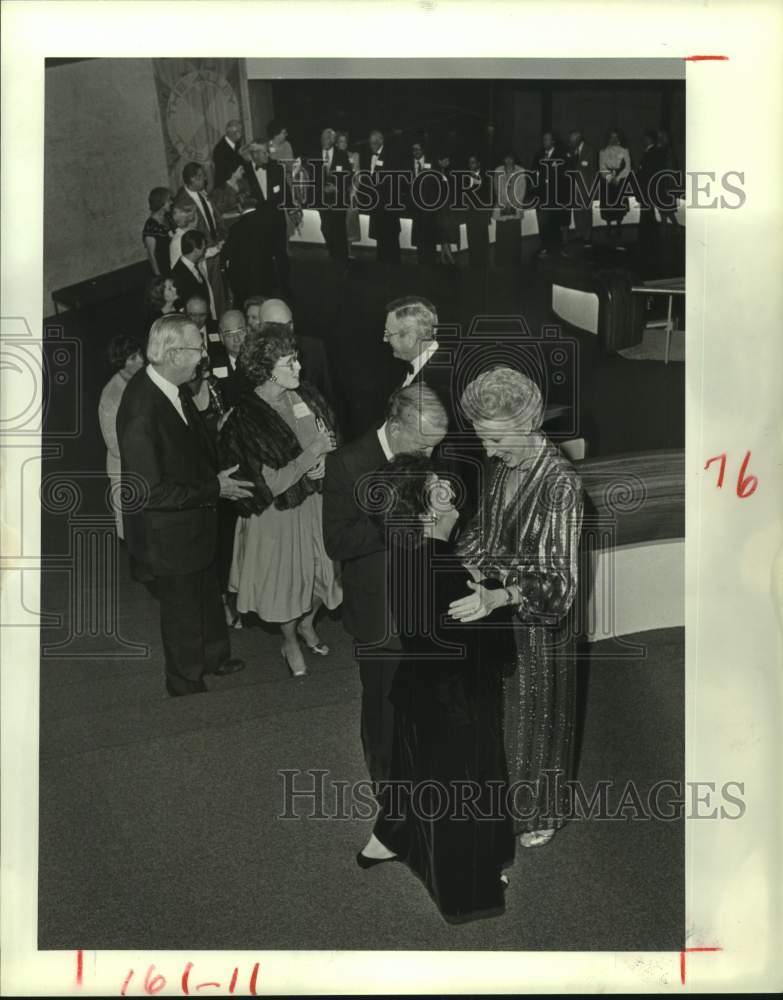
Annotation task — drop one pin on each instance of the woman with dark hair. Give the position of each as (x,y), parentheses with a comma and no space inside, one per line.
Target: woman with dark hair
(614,165)
(161,298)
(126,357)
(278,434)
(526,538)
(447,695)
(509,189)
(156,234)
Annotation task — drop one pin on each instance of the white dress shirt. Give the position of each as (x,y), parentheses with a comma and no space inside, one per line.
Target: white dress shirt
(375,157)
(261,177)
(204,207)
(419,362)
(169,390)
(200,271)
(384,442)
(328,155)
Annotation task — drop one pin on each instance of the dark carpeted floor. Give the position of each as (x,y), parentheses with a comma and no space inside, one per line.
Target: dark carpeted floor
(158,817)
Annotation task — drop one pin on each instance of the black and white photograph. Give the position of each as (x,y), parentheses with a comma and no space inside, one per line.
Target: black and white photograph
(363,601)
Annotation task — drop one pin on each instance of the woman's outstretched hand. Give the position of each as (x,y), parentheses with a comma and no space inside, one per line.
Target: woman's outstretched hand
(479,604)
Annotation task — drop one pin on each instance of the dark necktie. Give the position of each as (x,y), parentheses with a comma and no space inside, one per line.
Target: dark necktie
(188,407)
(208,216)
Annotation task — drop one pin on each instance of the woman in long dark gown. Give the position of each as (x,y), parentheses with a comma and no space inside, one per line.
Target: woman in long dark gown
(526,536)
(447,694)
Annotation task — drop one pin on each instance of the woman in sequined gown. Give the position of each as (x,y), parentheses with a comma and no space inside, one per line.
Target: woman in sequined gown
(526,535)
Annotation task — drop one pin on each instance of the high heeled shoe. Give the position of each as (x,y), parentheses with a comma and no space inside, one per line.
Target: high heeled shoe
(320,648)
(294,673)
(364,862)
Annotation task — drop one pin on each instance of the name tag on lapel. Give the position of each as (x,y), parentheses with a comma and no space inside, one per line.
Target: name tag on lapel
(301,410)
(585,163)
(276,189)
(426,166)
(220,372)
(338,170)
(214,337)
(379,163)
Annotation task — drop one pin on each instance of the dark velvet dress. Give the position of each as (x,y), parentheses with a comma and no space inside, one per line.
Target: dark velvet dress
(448,743)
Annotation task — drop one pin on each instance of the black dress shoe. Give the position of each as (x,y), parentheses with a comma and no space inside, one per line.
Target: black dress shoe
(231,666)
(364,862)
(203,689)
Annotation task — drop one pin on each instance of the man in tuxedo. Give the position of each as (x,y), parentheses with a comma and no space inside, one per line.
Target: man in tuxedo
(652,162)
(415,423)
(315,366)
(210,223)
(226,156)
(188,273)
(423,190)
(385,213)
(548,172)
(581,163)
(169,462)
(330,170)
(267,182)
(410,332)
(243,254)
(478,201)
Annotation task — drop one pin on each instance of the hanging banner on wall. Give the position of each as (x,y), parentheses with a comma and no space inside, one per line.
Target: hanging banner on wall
(197,97)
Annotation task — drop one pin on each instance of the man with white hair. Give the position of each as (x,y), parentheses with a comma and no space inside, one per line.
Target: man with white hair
(267,181)
(384,218)
(171,489)
(227,154)
(411,333)
(415,424)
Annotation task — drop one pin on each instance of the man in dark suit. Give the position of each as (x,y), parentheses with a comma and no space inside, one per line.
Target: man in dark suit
(243,254)
(197,311)
(415,423)
(169,464)
(223,355)
(581,164)
(312,355)
(653,161)
(208,221)
(422,193)
(410,332)
(267,182)
(330,172)
(382,179)
(226,155)
(477,200)
(551,192)
(188,274)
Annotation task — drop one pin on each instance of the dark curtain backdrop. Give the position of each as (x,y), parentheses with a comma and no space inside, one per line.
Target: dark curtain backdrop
(463,116)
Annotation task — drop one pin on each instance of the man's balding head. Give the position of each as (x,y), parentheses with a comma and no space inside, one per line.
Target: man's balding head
(275,311)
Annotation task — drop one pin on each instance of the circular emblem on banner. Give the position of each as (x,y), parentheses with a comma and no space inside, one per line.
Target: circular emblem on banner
(198,108)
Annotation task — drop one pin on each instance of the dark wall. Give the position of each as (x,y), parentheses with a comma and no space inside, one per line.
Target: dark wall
(486,116)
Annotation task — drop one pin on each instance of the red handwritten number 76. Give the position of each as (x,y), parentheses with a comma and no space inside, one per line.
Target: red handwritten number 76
(746,485)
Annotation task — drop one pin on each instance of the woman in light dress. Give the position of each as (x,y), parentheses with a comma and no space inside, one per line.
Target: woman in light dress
(279,434)
(126,356)
(614,165)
